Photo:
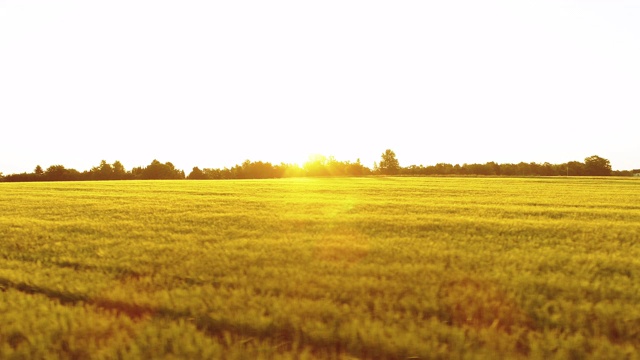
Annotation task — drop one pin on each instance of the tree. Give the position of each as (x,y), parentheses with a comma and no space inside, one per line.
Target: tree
(196,174)
(443,168)
(290,170)
(254,170)
(547,169)
(389,165)
(119,172)
(316,166)
(38,170)
(56,173)
(575,168)
(60,173)
(157,170)
(356,169)
(104,171)
(508,169)
(597,166)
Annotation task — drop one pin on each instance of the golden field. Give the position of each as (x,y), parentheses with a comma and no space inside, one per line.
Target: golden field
(341,268)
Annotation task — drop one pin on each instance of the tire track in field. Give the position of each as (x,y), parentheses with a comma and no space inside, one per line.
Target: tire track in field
(284,337)
(66,298)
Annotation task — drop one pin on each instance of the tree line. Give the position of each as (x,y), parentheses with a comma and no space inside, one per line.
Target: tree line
(104,171)
(317,166)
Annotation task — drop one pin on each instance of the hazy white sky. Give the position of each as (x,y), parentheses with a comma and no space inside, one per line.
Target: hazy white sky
(212,83)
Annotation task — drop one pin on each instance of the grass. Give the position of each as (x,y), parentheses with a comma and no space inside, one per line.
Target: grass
(431,268)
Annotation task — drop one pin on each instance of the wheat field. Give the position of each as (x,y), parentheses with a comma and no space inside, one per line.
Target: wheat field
(337,268)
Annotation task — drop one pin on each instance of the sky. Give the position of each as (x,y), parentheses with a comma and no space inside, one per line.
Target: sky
(214,83)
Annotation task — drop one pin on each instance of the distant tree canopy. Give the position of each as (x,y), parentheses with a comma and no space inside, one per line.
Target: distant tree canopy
(316,166)
(593,166)
(104,171)
(597,166)
(157,171)
(196,174)
(389,165)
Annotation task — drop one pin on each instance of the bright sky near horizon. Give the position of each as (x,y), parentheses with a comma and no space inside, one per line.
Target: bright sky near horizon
(213,83)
